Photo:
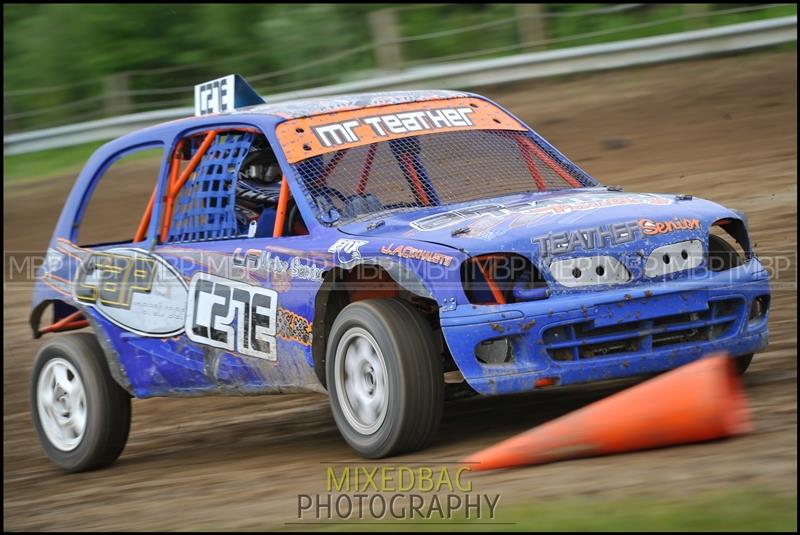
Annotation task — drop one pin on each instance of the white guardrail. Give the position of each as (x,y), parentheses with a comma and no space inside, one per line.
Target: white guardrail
(461,75)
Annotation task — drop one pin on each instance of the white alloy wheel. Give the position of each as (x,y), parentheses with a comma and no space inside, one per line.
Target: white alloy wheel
(61,402)
(361,381)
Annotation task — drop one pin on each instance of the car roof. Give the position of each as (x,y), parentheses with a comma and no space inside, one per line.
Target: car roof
(293,109)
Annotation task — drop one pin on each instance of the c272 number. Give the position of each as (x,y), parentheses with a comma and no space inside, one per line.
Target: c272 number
(232,315)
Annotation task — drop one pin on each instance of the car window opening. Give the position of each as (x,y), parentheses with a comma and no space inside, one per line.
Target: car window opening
(365,181)
(212,171)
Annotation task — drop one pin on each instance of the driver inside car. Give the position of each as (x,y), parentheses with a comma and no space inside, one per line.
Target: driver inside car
(257,191)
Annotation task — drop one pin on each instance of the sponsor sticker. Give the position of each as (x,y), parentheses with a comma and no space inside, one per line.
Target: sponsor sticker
(340,133)
(134,289)
(651,228)
(587,239)
(295,267)
(232,315)
(408,251)
(542,208)
(347,251)
(318,134)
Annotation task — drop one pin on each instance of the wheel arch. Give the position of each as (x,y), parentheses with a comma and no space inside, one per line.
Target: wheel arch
(61,310)
(342,286)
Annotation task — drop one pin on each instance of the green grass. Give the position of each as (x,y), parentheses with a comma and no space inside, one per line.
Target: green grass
(658,19)
(567,31)
(745,510)
(748,509)
(45,164)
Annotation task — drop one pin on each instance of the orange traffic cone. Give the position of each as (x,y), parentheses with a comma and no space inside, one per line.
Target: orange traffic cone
(699,401)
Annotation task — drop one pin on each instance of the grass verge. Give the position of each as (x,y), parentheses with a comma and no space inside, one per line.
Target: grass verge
(48,163)
(36,166)
(746,509)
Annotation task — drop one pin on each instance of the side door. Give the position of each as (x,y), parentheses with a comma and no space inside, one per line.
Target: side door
(242,248)
(131,298)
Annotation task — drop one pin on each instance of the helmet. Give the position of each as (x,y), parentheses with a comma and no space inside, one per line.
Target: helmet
(258,176)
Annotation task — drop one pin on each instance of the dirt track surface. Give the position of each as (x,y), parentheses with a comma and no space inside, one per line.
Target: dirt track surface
(723,129)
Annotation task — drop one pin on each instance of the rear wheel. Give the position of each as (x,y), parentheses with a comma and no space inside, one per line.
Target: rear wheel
(384,378)
(82,416)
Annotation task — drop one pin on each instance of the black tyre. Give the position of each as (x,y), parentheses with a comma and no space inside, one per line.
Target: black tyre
(82,416)
(384,377)
(742,362)
(721,255)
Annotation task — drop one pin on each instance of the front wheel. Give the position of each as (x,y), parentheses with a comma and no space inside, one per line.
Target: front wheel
(742,362)
(82,416)
(384,377)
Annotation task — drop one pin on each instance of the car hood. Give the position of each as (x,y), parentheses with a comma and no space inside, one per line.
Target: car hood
(581,221)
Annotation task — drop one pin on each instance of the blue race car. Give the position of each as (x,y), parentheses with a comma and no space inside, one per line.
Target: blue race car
(390,249)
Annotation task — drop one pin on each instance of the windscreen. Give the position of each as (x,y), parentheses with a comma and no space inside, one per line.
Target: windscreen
(367,181)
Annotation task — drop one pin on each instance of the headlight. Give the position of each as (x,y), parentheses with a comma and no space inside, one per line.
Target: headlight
(674,257)
(589,271)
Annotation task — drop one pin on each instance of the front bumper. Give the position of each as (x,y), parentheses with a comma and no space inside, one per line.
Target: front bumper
(585,337)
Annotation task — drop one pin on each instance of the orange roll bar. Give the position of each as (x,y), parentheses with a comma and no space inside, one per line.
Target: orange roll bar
(526,154)
(145,222)
(368,161)
(173,177)
(496,293)
(148,212)
(542,155)
(322,179)
(70,322)
(419,189)
(280,215)
(176,185)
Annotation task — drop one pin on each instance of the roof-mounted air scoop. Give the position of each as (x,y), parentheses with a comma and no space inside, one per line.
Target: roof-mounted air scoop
(224,95)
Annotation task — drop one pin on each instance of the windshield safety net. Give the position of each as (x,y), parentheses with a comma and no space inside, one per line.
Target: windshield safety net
(362,182)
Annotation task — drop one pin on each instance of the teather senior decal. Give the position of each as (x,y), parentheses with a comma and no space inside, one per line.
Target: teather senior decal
(232,315)
(320,134)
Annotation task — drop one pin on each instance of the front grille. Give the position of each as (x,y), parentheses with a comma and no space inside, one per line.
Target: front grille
(582,340)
